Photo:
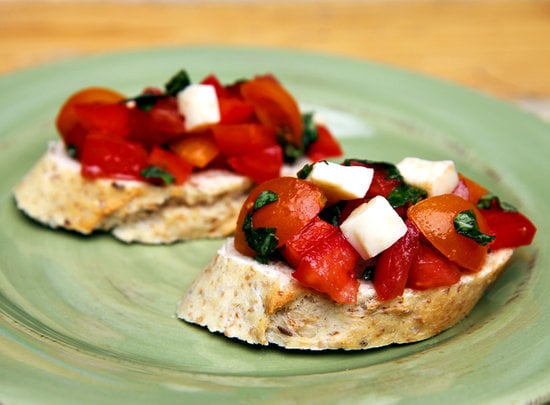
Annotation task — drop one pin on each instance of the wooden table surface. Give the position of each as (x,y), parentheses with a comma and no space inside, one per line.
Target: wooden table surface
(501,47)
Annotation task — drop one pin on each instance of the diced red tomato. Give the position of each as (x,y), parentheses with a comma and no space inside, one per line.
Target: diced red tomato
(431,270)
(329,267)
(156,126)
(309,236)
(298,202)
(171,163)
(512,229)
(197,149)
(325,146)
(394,263)
(240,139)
(235,111)
(434,217)
(381,184)
(261,165)
(213,80)
(109,119)
(274,107)
(112,158)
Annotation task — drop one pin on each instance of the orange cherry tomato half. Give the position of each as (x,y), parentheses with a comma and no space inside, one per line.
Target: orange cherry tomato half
(298,202)
(275,107)
(434,218)
(68,118)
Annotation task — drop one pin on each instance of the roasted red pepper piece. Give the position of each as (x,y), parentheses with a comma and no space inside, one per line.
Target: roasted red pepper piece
(109,119)
(235,111)
(393,265)
(108,157)
(306,239)
(171,163)
(261,165)
(241,139)
(158,125)
(329,267)
(325,146)
(213,80)
(511,228)
(431,270)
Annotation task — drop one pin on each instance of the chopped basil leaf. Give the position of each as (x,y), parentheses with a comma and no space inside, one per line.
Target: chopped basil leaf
(466,224)
(72,151)
(392,172)
(177,83)
(290,151)
(146,101)
(368,273)
(403,194)
(262,240)
(309,134)
(332,213)
(264,198)
(155,172)
(304,171)
(489,199)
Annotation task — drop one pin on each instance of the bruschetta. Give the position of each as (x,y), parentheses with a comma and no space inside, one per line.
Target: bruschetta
(356,255)
(169,164)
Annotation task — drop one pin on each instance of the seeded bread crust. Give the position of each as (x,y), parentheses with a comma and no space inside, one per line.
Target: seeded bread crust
(262,304)
(55,194)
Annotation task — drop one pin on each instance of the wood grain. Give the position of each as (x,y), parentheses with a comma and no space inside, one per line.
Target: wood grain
(500,47)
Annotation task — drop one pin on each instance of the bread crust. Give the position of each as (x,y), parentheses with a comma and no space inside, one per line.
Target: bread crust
(55,194)
(262,304)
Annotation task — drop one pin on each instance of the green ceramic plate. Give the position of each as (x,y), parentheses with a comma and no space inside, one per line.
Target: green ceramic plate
(91,320)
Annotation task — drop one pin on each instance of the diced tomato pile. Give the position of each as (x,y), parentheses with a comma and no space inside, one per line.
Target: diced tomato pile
(145,138)
(431,253)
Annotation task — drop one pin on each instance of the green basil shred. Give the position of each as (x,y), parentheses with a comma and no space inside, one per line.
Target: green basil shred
(155,172)
(309,135)
(262,240)
(403,194)
(489,199)
(305,171)
(178,82)
(465,224)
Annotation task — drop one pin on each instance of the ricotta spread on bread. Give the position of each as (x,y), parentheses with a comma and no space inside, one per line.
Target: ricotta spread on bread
(262,303)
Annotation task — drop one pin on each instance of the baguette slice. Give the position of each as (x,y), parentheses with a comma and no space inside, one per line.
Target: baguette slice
(55,194)
(263,304)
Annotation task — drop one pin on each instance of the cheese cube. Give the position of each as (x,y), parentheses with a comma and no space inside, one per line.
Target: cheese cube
(373,227)
(198,103)
(436,177)
(340,182)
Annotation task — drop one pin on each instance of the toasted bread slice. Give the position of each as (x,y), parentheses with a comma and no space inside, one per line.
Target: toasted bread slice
(54,193)
(263,304)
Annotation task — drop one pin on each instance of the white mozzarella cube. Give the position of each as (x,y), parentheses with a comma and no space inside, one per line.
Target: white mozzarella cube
(340,182)
(198,103)
(373,227)
(436,177)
